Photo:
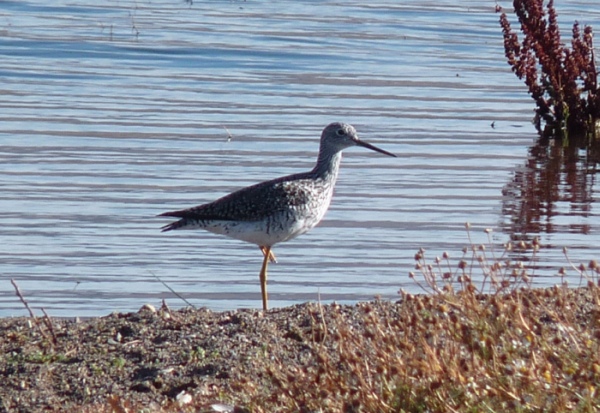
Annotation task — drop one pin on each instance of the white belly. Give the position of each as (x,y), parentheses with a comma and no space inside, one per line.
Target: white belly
(261,233)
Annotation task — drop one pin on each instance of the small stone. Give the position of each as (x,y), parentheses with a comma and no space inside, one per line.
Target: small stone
(222,408)
(183,398)
(147,308)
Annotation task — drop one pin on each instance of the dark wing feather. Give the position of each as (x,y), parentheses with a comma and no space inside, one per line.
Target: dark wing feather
(248,204)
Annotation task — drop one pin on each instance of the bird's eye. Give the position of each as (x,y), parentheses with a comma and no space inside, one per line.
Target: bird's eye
(341,132)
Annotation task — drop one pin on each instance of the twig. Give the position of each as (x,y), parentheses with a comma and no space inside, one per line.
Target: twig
(33,317)
(49,325)
(320,305)
(18,291)
(173,291)
(582,275)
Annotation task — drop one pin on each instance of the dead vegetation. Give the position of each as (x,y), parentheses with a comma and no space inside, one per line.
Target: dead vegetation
(562,79)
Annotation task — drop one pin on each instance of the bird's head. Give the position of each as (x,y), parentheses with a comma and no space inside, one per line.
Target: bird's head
(338,136)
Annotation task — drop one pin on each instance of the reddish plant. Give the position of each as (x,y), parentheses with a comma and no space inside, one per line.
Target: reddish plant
(562,80)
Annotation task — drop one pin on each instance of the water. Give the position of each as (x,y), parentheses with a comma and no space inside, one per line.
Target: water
(115,113)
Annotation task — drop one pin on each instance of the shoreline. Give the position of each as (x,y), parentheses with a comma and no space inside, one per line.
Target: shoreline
(176,359)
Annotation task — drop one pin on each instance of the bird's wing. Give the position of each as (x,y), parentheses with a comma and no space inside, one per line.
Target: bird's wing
(250,203)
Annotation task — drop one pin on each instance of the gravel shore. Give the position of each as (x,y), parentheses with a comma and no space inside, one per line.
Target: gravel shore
(161,358)
(151,357)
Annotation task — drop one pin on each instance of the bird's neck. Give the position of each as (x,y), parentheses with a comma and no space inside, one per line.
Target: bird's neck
(327,166)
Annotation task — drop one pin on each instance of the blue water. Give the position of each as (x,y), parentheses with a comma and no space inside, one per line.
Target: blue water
(115,113)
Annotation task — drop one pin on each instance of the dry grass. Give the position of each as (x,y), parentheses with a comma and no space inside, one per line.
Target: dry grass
(454,349)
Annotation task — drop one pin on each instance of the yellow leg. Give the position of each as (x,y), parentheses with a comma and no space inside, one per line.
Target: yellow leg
(263,277)
(271,255)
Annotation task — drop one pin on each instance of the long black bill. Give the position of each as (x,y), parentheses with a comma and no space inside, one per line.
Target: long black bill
(374,148)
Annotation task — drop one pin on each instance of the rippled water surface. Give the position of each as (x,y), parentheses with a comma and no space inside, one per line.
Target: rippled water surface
(114,113)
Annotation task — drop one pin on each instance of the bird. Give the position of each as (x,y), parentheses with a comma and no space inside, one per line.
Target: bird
(280,209)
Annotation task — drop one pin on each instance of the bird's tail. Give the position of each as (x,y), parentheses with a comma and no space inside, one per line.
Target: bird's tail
(173,225)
